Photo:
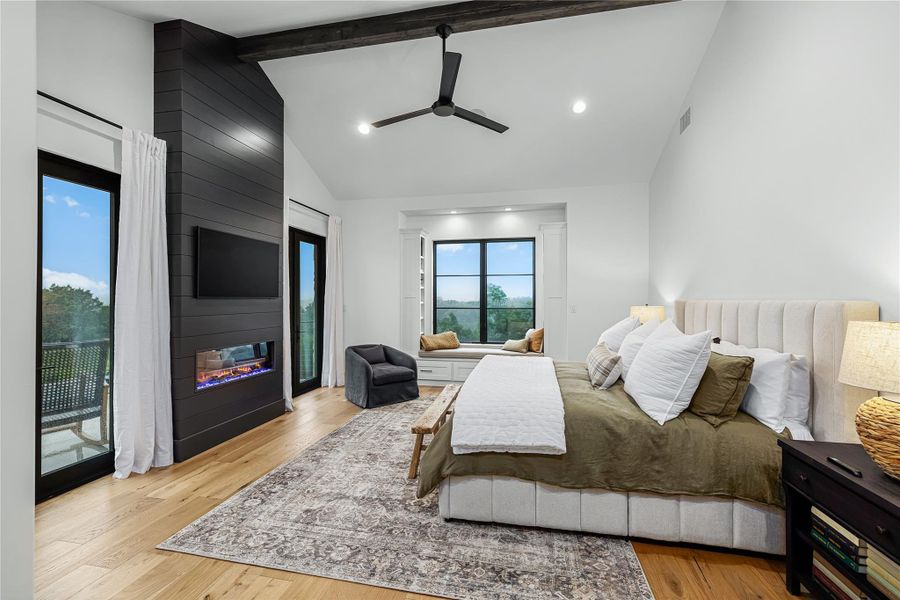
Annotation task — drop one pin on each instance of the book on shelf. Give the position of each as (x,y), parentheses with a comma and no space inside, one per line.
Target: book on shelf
(884,574)
(885,567)
(858,552)
(834,550)
(838,579)
(882,586)
(838,528)
(832,591)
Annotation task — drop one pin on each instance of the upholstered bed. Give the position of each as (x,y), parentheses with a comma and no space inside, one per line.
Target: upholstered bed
(814,329)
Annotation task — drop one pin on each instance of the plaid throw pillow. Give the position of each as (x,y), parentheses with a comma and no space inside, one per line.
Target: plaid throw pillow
(604,366)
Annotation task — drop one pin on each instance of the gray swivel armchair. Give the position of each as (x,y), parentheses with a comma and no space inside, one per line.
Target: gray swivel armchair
(378,375)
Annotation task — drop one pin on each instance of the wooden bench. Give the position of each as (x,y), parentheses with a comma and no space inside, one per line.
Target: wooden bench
(430,422)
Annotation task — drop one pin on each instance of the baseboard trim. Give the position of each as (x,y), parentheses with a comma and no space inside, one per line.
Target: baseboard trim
(208,438)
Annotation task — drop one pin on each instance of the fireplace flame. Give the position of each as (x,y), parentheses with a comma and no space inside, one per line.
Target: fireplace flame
(213,370)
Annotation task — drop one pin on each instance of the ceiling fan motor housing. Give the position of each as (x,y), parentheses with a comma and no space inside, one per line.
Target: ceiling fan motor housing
(443,109)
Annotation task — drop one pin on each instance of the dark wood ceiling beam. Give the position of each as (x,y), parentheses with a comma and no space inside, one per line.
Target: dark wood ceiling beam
(418,24)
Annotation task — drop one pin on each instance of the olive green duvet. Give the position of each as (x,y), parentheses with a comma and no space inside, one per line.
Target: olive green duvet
(611,444)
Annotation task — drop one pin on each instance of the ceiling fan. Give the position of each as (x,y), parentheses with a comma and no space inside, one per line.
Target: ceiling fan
(444,107)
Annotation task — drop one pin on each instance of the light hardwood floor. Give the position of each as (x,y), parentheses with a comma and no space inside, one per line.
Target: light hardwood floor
(98,542)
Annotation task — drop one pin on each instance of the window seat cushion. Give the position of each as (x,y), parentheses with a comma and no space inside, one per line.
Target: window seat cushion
(473,351)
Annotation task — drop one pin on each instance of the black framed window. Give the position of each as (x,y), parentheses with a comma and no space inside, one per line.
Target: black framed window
(307,263)
(484,290)
(77,235)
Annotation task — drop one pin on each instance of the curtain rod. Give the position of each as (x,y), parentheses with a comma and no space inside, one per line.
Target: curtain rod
(324,214)
(77,109)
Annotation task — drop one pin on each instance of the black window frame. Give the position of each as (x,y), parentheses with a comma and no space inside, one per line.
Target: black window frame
(482,278)
(319,242)
(76,474)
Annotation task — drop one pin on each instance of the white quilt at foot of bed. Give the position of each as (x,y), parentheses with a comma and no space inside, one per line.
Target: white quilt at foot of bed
(510,404)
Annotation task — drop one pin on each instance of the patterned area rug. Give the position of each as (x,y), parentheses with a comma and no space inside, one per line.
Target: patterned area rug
(344,509)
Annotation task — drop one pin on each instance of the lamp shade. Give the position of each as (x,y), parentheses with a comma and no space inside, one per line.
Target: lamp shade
(872,356)
(646,313)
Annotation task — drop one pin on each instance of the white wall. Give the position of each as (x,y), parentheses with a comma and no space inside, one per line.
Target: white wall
(302,184)
(98,59)
(786,183)
(521,223)
(607,256)
(101,61)
(18,247)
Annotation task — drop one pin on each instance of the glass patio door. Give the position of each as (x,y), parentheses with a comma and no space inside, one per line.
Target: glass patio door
(76,263)
(307,262)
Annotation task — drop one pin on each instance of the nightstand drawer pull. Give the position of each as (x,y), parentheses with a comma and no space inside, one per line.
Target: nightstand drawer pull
(803,477)
(882,530)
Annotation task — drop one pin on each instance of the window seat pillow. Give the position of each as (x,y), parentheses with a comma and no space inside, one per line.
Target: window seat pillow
(446,340)
(520,346)
(473,351)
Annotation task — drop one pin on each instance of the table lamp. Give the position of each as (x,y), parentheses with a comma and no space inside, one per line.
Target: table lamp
(872,360)
(646,313)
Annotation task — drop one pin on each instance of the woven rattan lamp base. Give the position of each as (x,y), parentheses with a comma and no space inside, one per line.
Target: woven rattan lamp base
(878,426)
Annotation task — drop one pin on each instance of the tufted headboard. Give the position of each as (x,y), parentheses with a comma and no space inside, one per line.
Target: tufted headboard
(814,329)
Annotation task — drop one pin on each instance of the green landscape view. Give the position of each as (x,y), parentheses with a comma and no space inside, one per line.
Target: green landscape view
(509,284)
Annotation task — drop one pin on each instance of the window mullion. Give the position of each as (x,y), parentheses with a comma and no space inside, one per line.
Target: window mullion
(483,302)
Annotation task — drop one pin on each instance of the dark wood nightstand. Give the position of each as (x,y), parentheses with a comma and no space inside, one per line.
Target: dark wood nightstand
(868,506)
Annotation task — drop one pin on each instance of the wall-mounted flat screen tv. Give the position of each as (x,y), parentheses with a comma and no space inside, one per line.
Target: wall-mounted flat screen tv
(234,266)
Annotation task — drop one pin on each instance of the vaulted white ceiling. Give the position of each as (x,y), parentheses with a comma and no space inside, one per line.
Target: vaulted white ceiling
(632,67)
(250,17)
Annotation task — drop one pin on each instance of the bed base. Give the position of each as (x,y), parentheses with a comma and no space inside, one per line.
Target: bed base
(711,521)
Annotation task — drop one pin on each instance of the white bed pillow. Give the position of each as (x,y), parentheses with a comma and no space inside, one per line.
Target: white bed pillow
(766,396)
(667,370)
(799,391)
(632,343)
(613,336)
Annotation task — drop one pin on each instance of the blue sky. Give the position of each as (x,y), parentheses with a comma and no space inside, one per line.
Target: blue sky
(307,273)
(465,259)
(76,236)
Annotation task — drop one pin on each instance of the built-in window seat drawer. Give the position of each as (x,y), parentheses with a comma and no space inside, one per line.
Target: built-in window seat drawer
(432,370)
(445,370)
(462,369)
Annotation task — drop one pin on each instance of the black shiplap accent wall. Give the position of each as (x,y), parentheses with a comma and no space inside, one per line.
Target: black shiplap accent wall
(223,123)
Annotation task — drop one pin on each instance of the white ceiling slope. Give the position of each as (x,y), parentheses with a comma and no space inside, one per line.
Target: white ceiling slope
(250,17)
(632,67)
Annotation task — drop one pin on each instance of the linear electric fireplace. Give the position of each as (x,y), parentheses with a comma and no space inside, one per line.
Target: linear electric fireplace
(224,365)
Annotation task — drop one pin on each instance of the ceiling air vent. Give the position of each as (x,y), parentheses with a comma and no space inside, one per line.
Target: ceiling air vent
(685,120)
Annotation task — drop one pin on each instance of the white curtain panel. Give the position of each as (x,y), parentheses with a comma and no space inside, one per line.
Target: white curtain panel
(142,378)
(333,343)
(286,363)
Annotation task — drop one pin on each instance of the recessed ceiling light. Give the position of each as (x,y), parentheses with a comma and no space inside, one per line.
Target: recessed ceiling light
(507,209)
(363,128)
(453,212)
(579,107)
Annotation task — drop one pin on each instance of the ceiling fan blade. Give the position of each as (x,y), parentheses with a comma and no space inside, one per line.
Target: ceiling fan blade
(479,120)
(403,117)
(448,75)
